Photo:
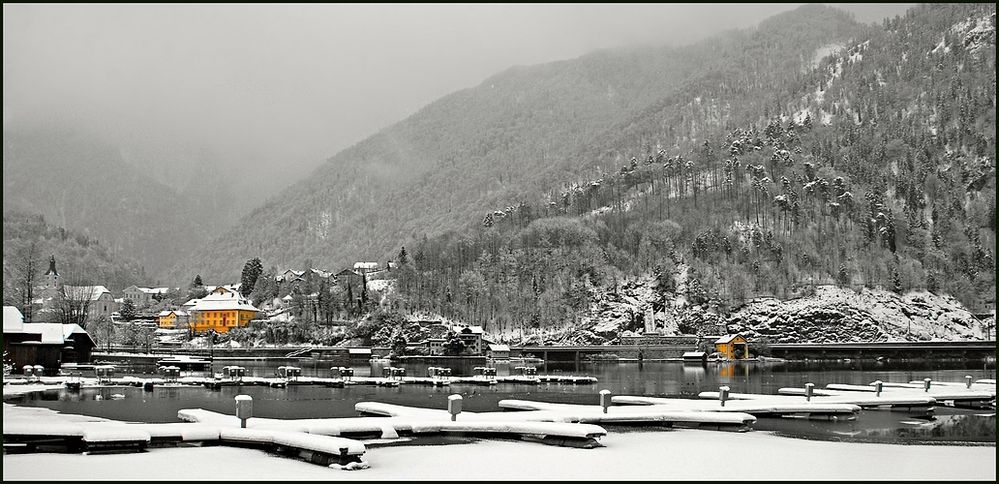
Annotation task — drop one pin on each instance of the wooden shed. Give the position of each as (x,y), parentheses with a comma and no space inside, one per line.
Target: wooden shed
(733,347)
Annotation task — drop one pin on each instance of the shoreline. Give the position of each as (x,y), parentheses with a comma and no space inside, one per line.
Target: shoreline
(681,454)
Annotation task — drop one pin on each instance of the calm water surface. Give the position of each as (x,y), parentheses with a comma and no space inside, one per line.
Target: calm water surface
(660,379)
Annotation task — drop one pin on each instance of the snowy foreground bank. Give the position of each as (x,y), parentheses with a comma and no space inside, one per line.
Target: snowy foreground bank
(658,455)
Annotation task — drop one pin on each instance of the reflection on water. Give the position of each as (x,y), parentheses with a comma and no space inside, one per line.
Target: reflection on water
(661,379)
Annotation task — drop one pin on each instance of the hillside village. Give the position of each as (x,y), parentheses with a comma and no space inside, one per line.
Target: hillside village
(309,306)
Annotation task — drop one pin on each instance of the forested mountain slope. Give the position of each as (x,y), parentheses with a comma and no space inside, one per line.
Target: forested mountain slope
(29,241)
(515,135)
(871,167)
(82,184)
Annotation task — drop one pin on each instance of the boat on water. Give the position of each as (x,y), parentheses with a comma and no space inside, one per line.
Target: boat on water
(186,363)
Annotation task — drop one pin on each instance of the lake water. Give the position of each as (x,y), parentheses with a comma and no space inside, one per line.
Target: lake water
(660,379)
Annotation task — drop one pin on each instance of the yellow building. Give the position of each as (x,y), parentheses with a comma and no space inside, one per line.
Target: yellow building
(221,312)
(733,347)
(172,319)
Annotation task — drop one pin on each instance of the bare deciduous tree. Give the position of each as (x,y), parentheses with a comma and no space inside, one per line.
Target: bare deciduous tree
(22,275)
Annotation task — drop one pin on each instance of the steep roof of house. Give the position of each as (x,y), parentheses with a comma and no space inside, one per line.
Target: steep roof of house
(48,333)
(727,338)
(13,320)
(220,302)
(82,292)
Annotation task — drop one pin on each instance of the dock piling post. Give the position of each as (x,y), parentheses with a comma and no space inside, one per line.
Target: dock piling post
(878,386)
(605,399)
(809,390)
(244,409)
(454,406)
(967,380)
(723,394)
(926,384)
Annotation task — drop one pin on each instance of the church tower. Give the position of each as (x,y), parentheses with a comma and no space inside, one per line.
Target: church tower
(51,278)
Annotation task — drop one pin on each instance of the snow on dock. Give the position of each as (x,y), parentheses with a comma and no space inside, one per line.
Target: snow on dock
(322,449)
(757,405)
(573,414)
(865,400)
(563,412)
(412,420)
(940,393)
(215,382)
(79,433)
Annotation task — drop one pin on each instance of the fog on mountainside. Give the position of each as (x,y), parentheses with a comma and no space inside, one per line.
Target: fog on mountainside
(209,111)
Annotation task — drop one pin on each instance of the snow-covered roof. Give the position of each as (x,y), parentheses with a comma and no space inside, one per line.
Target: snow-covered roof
(81,292)
(48,333)
(13,320)
(365,265)
(359,351)
(727,338)
(499,348)
(227,287)
(191,302)
(470,329)
(167,313)
(217,302)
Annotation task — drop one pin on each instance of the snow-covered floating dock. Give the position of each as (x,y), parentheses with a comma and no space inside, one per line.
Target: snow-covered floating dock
(757,405)
(947,394)
(415,421)
(567,414)
(217,382)
(917,403)
(656,414)
(22,432)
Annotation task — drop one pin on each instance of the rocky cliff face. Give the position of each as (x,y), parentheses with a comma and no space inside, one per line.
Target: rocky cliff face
(841,315)
(831,315)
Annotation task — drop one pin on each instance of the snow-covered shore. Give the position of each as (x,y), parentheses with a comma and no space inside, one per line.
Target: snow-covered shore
(653,455)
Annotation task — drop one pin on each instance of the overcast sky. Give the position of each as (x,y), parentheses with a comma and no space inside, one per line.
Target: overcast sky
(294,84)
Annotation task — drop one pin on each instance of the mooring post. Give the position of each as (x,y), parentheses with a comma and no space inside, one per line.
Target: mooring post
(454,406)
(967,380)
(926,384)
(605,399)
(878,386)
(244,409)
(809,389)
(723,394)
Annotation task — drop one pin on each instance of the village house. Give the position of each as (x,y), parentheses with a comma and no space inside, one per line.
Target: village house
(144,296)
(220,311)
(172,319)
(101,303)
(365,267)
(471,336)
(498,352)
(224,289)
(435,346)
(46,344)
